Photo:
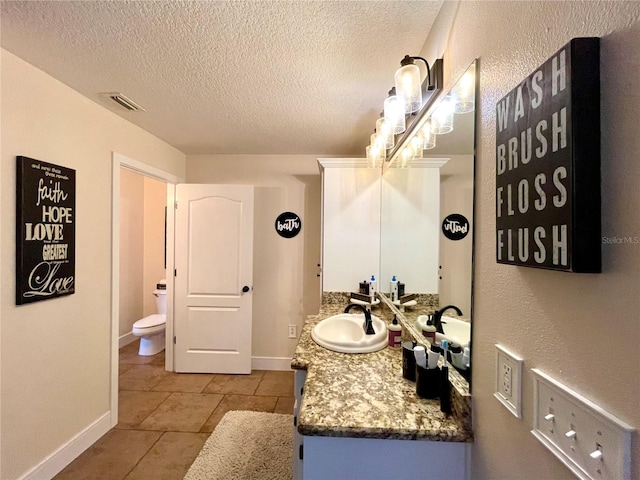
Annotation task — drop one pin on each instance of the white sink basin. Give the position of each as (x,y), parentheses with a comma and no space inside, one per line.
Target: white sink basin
(344,333)
(455,331)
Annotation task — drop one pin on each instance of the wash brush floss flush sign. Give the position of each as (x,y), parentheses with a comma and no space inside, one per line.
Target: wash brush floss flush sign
(548,164)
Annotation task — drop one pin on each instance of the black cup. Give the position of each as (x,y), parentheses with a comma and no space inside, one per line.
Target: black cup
(427,382)
(408,361)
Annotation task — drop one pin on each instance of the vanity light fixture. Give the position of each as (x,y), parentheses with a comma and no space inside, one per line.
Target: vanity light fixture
(408,84)
(398,124)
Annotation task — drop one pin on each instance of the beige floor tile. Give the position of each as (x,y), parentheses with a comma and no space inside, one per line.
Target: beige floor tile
(170,457)
(239,402)
(112,457)
(134,406)
(235,384)
(141,377)
(182,412)
(123,367)
(129,355)
(284,405)
(276,383)
(183,382)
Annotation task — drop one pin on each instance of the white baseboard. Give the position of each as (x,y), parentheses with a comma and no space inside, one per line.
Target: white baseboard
(271,363)
(126,339)
(53,464)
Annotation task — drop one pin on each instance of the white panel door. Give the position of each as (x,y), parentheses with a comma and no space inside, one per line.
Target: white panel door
(214,277)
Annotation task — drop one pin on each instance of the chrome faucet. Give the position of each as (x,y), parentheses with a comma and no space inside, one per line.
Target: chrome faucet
(437,317)
(368,324)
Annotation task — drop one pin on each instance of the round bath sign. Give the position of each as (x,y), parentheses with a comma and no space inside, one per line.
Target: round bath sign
(455,226)
(288,224)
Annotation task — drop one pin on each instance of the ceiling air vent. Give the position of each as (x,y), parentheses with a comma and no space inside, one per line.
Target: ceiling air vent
(125,102)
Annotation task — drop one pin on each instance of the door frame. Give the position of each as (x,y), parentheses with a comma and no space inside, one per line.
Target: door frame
(121,161)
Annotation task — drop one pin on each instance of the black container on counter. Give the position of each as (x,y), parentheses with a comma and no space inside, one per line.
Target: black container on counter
(408,361)
(428,382)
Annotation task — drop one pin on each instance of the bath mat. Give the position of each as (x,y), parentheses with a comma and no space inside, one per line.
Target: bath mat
(247,446)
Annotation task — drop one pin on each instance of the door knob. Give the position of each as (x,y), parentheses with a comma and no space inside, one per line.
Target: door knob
(245,289)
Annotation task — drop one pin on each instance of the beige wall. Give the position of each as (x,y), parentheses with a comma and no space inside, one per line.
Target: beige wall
(286,288)
(56,353)
(131,249)
(581,329)
(155,201)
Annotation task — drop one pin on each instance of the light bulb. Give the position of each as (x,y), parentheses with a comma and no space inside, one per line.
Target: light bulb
(428,137)
(394,114)
(408,86)
(464,94)
(442,118)
(383,129)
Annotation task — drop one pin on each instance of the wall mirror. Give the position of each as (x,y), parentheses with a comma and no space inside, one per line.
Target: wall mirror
(421,187)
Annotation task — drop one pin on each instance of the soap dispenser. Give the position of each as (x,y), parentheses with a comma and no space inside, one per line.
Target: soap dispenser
(395,333)
(372,288)
(394,289)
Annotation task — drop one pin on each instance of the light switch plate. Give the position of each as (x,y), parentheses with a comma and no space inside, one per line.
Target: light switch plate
(509,380)
(590,441)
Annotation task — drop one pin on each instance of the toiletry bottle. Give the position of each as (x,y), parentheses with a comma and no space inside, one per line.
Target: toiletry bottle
(429,331)
(395,332)
(394,289)
(372,288)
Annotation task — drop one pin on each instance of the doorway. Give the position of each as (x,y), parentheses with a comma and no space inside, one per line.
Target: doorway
(142,248)
(120,162)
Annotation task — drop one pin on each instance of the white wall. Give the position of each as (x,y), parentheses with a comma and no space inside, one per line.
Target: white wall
(582,329)
(56,353)
(286,288)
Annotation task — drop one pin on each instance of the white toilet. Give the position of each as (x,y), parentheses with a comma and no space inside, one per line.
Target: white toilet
(151,329)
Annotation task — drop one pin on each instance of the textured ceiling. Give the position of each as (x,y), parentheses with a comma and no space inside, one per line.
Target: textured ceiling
(229,76)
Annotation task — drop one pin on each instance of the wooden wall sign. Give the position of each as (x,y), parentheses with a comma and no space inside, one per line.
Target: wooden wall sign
(45,230)
(548,164)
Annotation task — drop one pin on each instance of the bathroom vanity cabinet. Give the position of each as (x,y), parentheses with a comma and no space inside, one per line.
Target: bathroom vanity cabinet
(321,457)
(355,417)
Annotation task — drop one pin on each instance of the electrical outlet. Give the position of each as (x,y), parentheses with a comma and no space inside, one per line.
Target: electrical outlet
(293,331)
(506,379)
(591,442)
(509,380)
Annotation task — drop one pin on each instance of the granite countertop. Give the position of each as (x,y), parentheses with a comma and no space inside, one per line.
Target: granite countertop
(365,395)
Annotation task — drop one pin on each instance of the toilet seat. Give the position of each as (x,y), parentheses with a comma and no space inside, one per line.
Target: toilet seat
(149,325)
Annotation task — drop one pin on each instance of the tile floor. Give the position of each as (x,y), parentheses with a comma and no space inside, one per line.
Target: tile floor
(164,418)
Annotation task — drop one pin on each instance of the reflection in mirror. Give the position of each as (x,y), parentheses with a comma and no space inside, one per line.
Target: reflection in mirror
(424,184)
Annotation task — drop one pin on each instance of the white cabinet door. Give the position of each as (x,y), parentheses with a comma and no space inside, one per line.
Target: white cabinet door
(214,277)
(350,223)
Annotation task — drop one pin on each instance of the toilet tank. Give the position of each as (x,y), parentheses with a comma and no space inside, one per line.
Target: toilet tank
(161,296)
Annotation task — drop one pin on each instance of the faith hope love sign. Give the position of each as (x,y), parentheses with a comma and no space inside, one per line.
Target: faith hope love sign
(45,230)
